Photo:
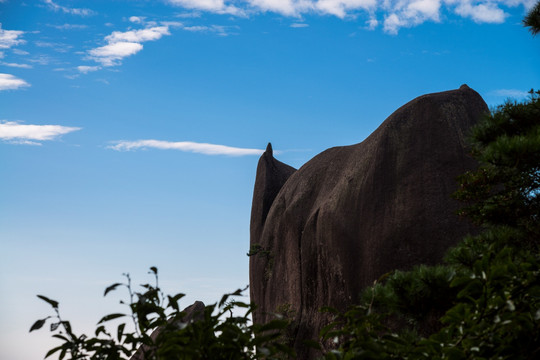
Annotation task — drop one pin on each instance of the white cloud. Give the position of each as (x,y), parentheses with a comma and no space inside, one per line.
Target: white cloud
(393,14)
(138,36)
(299,25)
(372,23)
(342,8)
(136,19)
(16,132)
(124,44)
(284,7)
(188,146)
(112,54)
(66,10)
(487,12)
(86,69)
(10,38)
(410,13)
(510,93)
(10,82)
(172,23)
(15,65)
(215,6)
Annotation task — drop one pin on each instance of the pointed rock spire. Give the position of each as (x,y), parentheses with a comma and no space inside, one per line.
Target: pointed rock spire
(269,150)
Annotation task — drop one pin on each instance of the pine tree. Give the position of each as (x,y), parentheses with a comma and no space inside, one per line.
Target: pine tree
(532,20)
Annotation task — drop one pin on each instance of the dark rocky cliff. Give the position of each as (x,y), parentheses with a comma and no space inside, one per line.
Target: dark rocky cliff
(354,213)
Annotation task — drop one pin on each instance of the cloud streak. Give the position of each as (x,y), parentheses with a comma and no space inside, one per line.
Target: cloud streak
(15,132)
(10,82)
(86,69)
(215,6)
(510,93)
(66,10)
(187,146)
(16,65)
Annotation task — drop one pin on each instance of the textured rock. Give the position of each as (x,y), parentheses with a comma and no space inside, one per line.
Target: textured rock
(192,313)
(354,213)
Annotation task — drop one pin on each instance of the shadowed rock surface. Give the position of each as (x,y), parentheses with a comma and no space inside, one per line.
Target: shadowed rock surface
(192,313)
(354,213)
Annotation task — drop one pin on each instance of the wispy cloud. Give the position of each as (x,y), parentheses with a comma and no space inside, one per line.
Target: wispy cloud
(20,52)
(67,10)
(217,29)
(299,25)
(372,23)
(69,26)
(15,65)
(41,59)
(58,47)
(187,146)
(215,6)
(10,38)
(15,132)
(510,93)
(86,69)
(10,82)
(123,44)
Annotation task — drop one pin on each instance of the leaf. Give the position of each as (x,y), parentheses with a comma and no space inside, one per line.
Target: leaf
(154,270)
(120,331)
(60,337)
(111,288)
(52,351)
(63,353)
(38,324)
(100,329)
(110,317)
(173,301)
(55,326)
(53,303)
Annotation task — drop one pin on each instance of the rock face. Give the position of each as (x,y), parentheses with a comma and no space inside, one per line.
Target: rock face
(353,213)
(192,313)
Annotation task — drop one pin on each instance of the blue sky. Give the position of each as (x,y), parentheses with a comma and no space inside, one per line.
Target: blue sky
(130,130)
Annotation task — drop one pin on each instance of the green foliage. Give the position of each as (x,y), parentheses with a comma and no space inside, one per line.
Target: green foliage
(215,333)
(259,250)
(505,189)
(532,19)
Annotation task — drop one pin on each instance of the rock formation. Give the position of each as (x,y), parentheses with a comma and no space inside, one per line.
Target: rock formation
(192,313)
(320,234)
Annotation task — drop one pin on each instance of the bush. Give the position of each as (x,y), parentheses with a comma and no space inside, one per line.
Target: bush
(217,332)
